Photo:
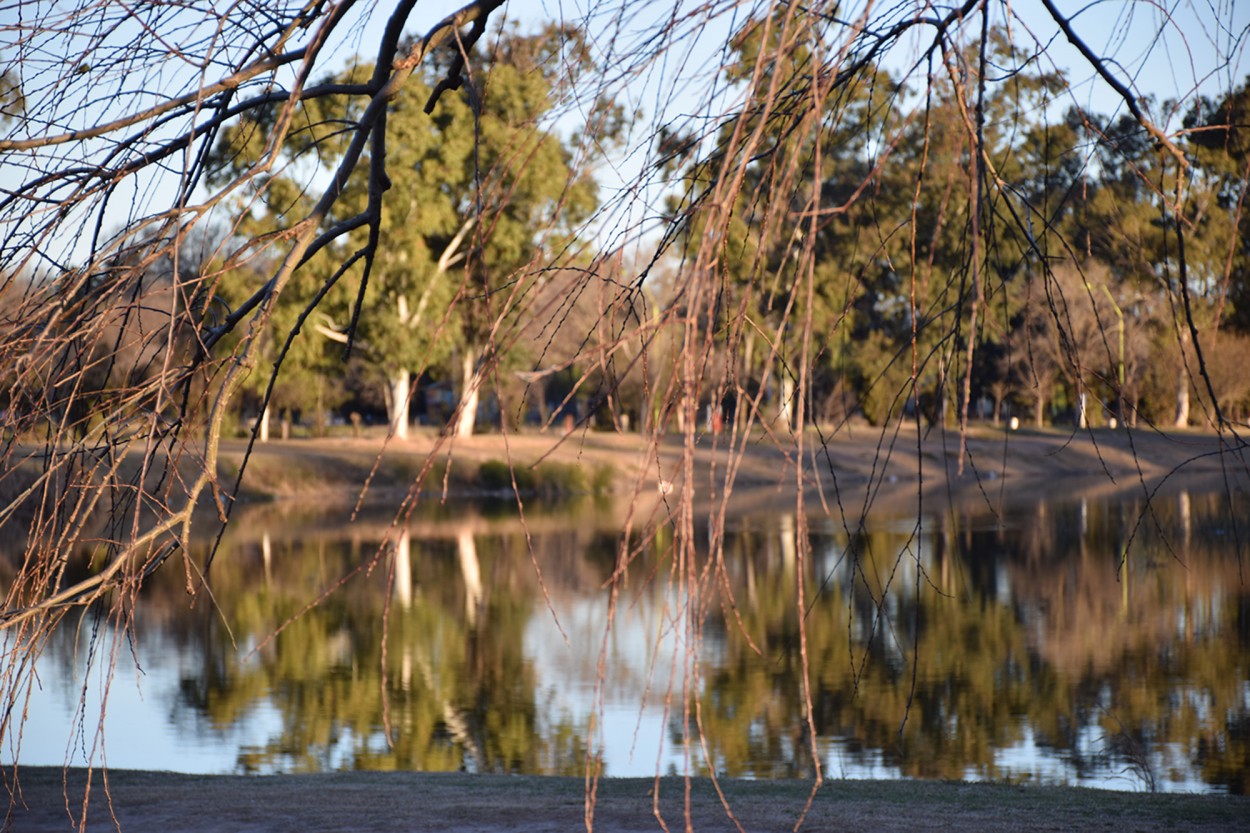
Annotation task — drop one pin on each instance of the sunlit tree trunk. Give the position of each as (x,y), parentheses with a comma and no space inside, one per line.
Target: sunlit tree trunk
(469,395)
(1182,386)
(264,424)
(539,392)
(399,386)
(399,395)
(999,391)
(785,403)
(1182,403)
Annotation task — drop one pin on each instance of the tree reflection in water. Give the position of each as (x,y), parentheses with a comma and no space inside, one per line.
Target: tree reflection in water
(1089,640)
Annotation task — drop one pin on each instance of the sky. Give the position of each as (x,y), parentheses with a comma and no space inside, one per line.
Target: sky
(1171,50)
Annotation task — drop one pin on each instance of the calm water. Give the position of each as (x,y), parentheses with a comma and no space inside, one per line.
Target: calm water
(1089,641)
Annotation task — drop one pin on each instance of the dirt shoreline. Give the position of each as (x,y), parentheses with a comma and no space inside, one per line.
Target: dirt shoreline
(861,468)
(153,802)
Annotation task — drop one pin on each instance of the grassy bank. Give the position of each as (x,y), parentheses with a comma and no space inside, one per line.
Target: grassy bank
(328,469)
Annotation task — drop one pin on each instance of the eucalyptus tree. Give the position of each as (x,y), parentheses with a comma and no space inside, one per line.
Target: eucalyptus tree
(1169,234)
(477,189)
(803,246)
(1221,144)
(1218,224)
(482,188)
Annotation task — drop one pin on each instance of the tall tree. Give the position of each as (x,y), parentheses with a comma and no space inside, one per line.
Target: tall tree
(471,190)
(1219,136)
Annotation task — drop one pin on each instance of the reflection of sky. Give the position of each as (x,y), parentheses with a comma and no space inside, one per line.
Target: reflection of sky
(147,726)
(635,740)
(640,656)
(1027,762)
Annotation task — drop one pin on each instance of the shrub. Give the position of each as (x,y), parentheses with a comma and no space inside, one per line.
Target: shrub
(496,476)
(546,480)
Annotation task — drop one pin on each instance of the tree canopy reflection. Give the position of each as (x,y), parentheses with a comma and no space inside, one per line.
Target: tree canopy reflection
(450,684)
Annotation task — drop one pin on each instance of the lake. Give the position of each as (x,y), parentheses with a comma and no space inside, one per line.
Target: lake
(1097,640)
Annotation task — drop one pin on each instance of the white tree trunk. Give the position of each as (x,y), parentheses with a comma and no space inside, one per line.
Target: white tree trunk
(1182,386)
(469,394)
(1182,402)
(400,393)
(785,407)
(264,425)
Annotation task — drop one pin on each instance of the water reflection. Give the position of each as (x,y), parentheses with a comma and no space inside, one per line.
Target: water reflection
(1093,640)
